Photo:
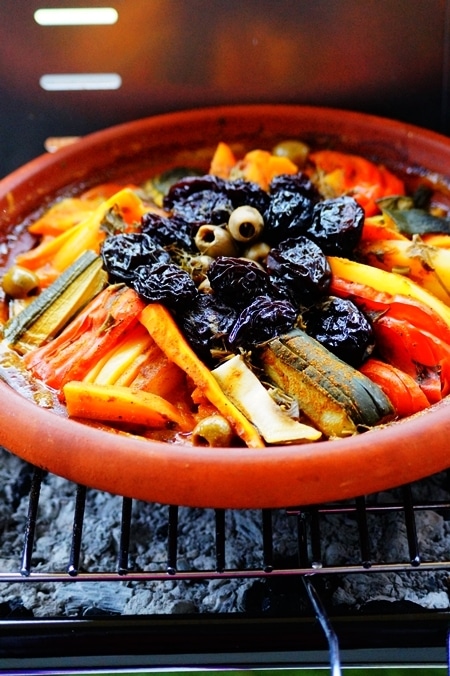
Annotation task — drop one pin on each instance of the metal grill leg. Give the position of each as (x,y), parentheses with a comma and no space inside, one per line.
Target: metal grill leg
(75,550)
(322,617)
(448,652)
(33,505)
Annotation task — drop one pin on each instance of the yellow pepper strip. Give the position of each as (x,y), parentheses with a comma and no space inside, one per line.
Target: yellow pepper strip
(387,282)
(62,216)
(437,239)
(89,236)
(62,250)
(41,255)
(119,404)
(428,266)
(164,331)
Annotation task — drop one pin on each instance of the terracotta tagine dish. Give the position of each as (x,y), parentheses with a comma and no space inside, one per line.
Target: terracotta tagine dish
(242,475)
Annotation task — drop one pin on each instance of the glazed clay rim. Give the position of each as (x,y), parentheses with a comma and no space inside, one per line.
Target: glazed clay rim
(277,476)
(235,477)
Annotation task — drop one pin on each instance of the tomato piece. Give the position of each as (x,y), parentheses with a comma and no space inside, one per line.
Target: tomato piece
(354,175)
(417,353)
(401,389)
(396,306)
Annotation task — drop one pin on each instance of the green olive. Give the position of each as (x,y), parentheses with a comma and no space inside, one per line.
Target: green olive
(18,282)
(257,252)
(214,431)
(245,224)
(214,241)
(199,266)
(294,150)
(205,286)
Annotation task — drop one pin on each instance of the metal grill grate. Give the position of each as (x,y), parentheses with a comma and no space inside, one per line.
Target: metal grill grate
(308,532)
(308,575)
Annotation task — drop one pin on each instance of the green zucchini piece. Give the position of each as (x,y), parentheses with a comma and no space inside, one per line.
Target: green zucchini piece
(47,315)
(312,375)
(369,400)
(316,402)
(336,397)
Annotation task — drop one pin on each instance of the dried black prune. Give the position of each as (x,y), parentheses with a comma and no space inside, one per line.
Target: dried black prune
(210,199)
(263,319)
(237,280)
(245,193)
(169,232)
(123,253)
(339,325)
(292,200)
(206,323)
(299,267)
(164,283)
(337,225)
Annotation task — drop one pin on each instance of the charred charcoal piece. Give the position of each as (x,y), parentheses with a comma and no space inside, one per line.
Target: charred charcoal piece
(341,327)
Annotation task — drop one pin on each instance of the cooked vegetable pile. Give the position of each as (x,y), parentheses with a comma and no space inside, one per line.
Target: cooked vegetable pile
(286,296)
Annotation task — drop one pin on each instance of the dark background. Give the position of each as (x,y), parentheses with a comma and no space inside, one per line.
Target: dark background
(387,57)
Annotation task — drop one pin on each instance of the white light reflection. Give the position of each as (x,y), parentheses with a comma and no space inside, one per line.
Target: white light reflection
(53,82)
(76,16)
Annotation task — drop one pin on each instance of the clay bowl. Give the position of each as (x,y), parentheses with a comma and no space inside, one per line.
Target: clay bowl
(232,477)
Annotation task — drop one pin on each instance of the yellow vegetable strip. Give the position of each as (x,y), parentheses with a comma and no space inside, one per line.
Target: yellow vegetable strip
(133,370)
(88,235)
(44,252)
(111,367)
(119,404)
(62,216)
(388,282)
(163,329)
(428,266)
(63,249)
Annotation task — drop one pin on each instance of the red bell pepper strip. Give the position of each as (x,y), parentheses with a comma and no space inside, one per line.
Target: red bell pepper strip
(416,352)
(375,302)
(401,389)
(72,354)
(351,174)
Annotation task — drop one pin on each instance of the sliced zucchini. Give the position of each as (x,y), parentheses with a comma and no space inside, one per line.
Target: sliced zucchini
(45,316)
(336,397)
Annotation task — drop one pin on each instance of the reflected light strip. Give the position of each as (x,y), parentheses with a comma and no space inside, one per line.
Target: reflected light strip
(76,16)
(53,82)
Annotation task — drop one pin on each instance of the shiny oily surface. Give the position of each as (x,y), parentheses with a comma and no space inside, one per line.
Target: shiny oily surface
(221,477)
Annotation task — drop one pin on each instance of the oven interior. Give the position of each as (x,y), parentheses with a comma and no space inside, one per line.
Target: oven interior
(93,582)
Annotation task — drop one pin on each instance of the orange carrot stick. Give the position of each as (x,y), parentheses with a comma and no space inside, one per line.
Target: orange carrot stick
(165,332)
